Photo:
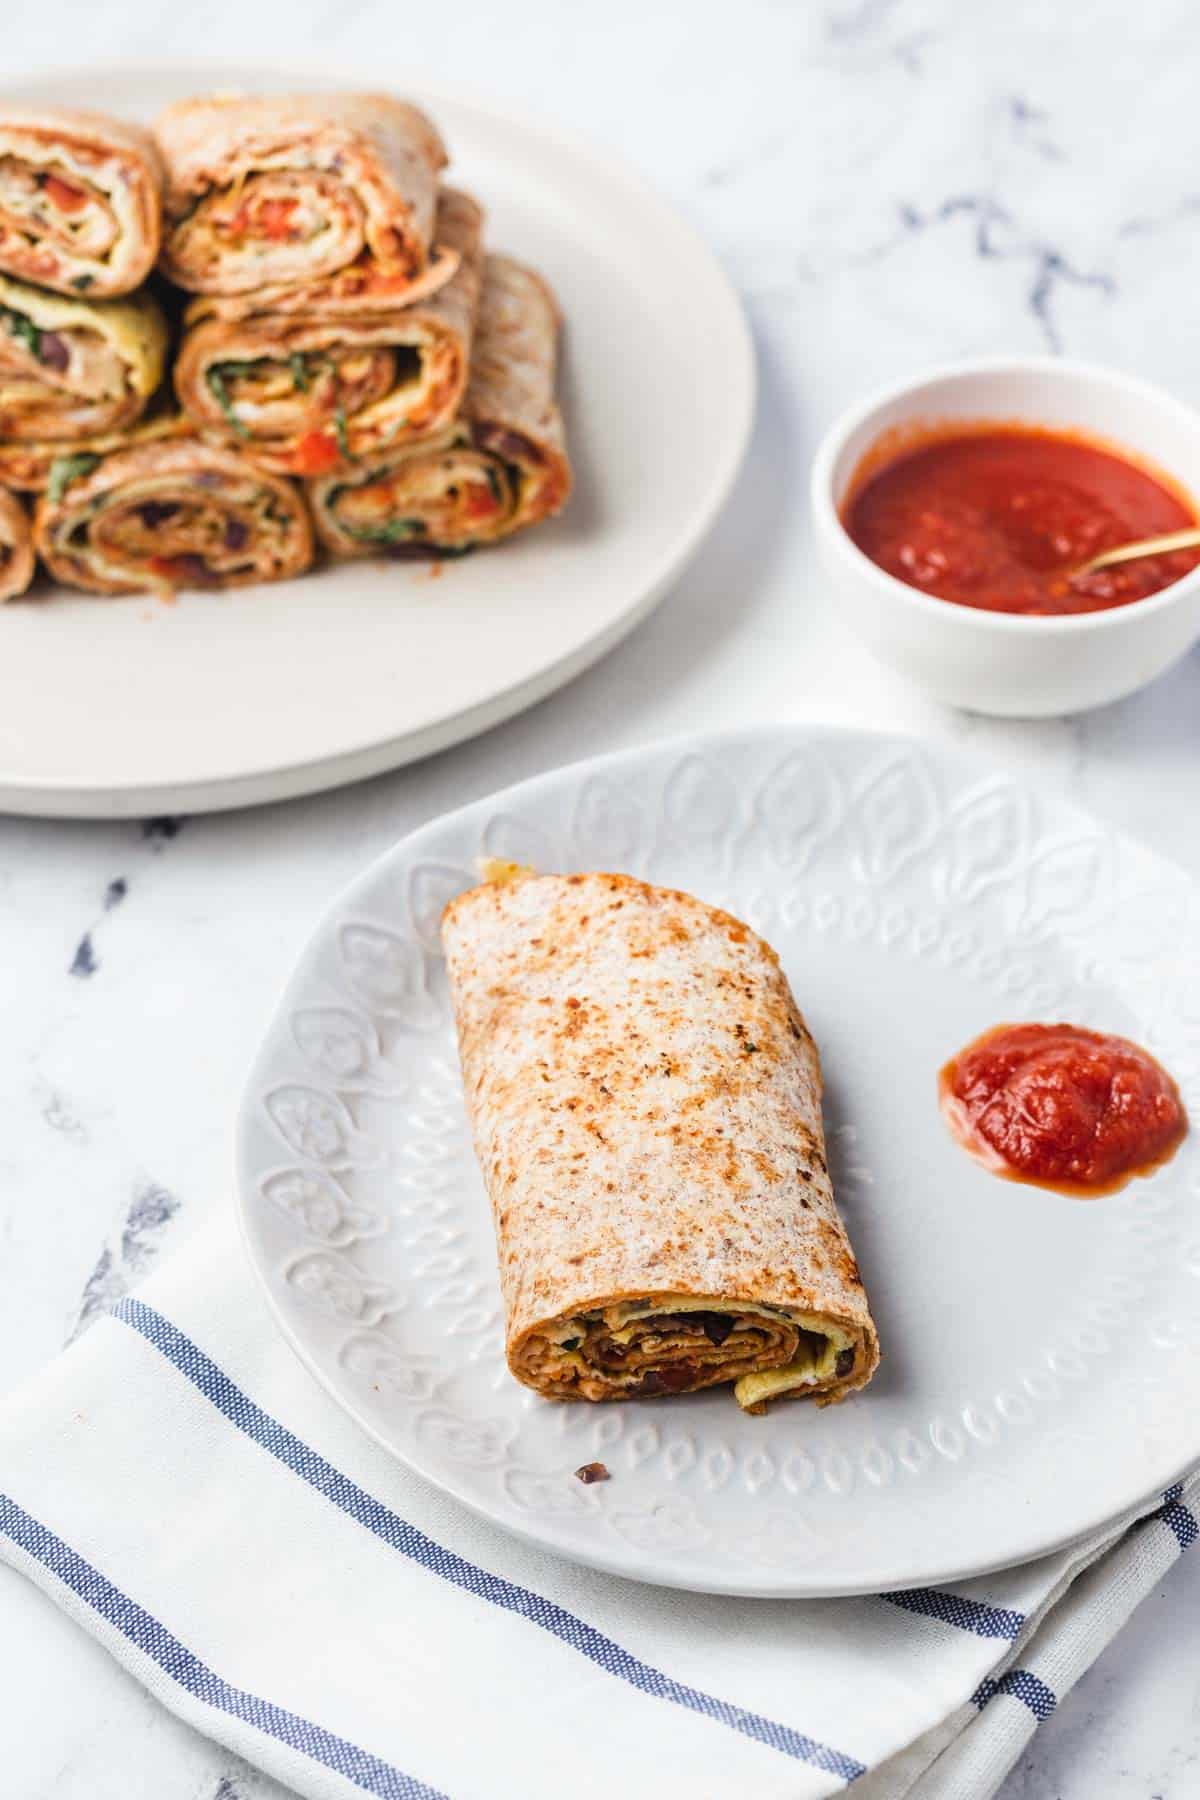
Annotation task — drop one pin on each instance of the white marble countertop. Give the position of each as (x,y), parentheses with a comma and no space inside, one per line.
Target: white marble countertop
(891,183)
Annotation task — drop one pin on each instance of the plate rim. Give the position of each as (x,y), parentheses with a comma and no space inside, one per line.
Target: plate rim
(788,735)
(76,797)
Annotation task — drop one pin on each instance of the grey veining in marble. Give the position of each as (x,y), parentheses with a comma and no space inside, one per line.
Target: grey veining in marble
(891,183)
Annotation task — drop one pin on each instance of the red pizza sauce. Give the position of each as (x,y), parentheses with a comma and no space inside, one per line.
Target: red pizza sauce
(1078,1111)
(998,517)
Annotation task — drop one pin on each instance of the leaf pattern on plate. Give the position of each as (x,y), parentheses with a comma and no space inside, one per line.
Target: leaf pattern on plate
(700,804)
(317,1126)
(896,811)
(1061,883)
(342,1044)
(384,1367)
(799,807)
(988,832)
(316,1201)
(388,972)
(607,825)
(480,1443)
(510,839)
(328,1281)
(430,888)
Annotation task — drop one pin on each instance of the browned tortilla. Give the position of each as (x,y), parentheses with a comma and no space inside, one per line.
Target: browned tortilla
(171,513)
(282,191)
(510,401)
(500,468)
(645,1100)
(16,547)
(294,386)
(29,468)
(80,200)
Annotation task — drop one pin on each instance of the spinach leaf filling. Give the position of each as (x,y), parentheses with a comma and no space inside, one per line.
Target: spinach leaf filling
(18,326)
(66,469)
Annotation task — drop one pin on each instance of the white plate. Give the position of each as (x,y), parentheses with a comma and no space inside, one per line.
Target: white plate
(1039,1354)
(126,706)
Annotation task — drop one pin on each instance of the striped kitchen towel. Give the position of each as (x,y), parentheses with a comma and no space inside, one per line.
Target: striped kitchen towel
(180,1485)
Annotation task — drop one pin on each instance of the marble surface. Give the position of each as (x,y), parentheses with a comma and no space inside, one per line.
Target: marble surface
(890,183)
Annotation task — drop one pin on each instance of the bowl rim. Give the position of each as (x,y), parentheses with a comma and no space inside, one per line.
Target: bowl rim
(982,619)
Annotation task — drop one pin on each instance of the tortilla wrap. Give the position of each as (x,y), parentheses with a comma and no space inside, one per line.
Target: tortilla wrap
(645,1101)
(30,468)
(75,368)
(307,393)
(16,547)
(80,200)
(499,469)
(175,513)
(283,191)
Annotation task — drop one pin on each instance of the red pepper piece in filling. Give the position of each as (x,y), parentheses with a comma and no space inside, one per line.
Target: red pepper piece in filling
(481,503)
(317,453)
(63,195)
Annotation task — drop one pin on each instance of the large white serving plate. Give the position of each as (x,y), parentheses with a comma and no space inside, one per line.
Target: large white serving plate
(1040,1369)
(120,707)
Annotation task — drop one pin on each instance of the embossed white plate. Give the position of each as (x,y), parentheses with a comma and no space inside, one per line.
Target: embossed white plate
(120,707)
(1040,1367)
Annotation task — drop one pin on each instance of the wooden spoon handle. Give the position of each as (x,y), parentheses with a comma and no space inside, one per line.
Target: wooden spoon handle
(1188,539)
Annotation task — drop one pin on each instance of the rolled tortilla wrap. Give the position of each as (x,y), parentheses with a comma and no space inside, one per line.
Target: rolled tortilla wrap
(645,1101)
(71,369)
(16,547)
(499,469)
(80,201)
(363,286)
(29,468)
(306,394)
(283,191)
(171,514)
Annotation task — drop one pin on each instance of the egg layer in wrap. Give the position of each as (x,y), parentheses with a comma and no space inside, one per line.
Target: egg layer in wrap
(277,192)
(170,513)
(645,1101)
(498,469)
(72,369)
(309,392)
(80,200)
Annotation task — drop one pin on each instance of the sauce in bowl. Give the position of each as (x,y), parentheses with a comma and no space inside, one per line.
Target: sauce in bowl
(1078,1111)
(999,516)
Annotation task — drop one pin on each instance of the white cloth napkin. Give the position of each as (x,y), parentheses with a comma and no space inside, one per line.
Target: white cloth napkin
(181,1486)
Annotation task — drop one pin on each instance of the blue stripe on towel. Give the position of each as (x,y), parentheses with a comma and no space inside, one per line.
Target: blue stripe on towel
(1029,1689)
(1180,1518)
(956,1609)
(155,1641)
(400,1535)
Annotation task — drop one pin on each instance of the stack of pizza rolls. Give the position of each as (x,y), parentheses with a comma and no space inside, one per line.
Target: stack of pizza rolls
(345,353)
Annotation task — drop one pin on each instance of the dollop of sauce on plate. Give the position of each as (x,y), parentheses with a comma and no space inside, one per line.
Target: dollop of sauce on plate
(1077,1111)
(1001,517)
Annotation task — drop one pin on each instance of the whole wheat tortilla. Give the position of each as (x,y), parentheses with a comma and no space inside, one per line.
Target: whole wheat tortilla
(16,547)
(645,1101)
(367,163)
(510,401)
(115,168)
(227,367)
(498,469)
(30,468)
(171,513)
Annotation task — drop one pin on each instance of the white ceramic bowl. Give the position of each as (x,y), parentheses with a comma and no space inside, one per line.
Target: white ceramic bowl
(1008,663)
